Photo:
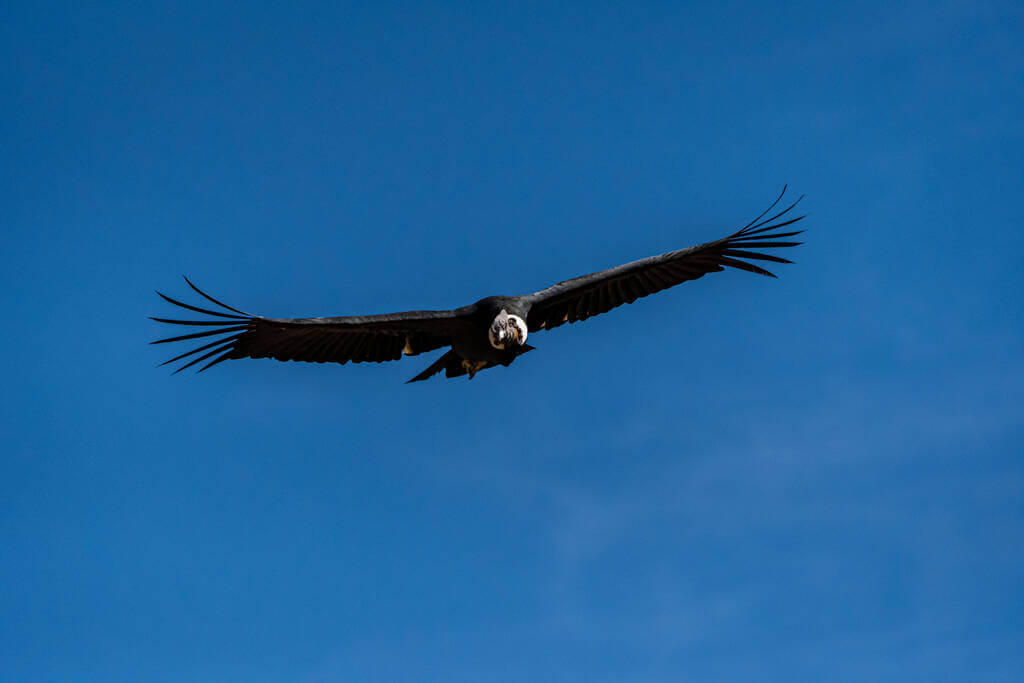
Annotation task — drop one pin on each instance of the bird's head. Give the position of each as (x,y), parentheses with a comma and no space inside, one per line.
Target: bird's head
(507,331)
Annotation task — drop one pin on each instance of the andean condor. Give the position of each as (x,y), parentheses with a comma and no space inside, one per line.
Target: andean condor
(491,331)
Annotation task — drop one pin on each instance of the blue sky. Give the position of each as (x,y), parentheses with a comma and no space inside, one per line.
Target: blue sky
(818,477)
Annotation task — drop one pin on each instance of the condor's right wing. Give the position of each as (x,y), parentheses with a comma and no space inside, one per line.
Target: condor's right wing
(359,339)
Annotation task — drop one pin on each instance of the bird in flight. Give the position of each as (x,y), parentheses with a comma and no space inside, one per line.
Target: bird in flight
(484,334)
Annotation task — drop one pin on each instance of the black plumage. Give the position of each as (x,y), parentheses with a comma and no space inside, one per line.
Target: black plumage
(491,331)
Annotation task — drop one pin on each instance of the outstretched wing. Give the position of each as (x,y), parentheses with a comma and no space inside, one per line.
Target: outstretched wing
(360,339)
(590,295)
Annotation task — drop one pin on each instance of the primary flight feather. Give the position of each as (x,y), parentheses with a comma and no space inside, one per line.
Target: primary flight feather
(484,334)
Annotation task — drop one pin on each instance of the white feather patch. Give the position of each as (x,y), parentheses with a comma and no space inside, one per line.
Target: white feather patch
(521,326)
(499,328)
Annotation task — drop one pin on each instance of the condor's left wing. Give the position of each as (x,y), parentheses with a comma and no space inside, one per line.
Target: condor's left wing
(582,297)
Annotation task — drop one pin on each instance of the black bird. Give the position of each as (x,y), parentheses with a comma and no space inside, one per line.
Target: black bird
(491,331)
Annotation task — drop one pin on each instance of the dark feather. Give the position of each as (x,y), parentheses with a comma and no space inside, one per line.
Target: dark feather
(379,338)
(446,360)
(201,358)
(201,348)
(219,359)
(207,323)
(183,337)
(358,339)
(211,299)
(196,308)
(573,300)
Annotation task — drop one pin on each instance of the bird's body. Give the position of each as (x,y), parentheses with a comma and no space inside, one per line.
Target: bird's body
(485,344)
(490,332)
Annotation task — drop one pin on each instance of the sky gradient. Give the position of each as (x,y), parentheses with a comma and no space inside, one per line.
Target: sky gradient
(818,477)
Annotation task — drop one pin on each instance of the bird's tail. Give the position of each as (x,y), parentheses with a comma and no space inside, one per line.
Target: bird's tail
(453,366)
(448,361)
